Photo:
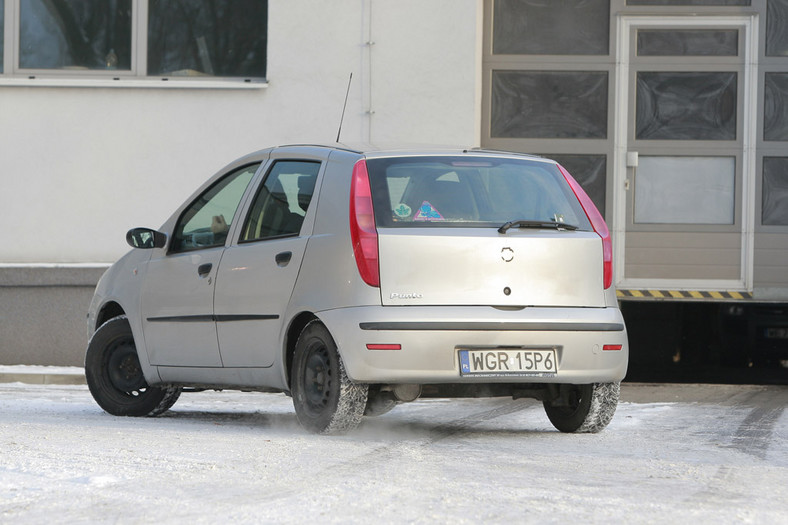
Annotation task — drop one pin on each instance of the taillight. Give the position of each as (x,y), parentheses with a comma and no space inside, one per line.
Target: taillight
(363,234)
(598,223)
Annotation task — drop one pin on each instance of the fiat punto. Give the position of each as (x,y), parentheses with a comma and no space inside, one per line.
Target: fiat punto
(355,279)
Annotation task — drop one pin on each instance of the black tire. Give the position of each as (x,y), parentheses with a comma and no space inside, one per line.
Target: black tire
(585,408)
(379,403)
(114,375)
(325,400)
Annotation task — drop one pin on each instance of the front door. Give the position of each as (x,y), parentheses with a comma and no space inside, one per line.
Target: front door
(177,296)
(177,307)
(685,133)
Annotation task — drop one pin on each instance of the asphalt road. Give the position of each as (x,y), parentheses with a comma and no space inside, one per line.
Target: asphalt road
(673,453)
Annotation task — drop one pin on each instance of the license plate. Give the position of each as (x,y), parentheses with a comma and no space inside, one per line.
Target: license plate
(498,362)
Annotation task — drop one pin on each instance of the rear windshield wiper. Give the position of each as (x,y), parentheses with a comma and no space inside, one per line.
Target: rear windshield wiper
(537,225)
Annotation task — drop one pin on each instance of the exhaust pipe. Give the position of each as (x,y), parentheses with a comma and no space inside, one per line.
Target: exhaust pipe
(407,392)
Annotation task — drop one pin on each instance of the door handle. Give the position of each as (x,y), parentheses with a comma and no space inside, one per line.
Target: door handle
(633,159)
(282,259)
(204,269)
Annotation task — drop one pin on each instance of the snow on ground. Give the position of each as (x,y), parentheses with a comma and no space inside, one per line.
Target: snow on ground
(40,369)
(698,454)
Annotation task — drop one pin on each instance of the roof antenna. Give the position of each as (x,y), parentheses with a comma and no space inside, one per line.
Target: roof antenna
(342,118)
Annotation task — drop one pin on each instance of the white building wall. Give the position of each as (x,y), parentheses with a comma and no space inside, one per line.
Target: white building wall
(81,165)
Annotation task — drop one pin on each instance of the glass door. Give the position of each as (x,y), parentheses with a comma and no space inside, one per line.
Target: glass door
(685,135)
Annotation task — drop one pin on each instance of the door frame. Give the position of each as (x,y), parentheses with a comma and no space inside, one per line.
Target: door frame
(621,172)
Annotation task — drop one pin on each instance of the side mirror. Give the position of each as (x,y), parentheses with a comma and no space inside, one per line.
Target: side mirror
(145,238)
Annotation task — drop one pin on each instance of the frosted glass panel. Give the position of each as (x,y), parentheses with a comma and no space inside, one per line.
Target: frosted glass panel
(775,191)
(557,27)
(549,104)
(685,190)
(688,2)
(775,112)
(2,38)
(686,106)
(590,171)
(777,28)
(688,42)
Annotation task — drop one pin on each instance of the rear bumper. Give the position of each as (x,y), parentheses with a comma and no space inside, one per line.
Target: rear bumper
(430,338)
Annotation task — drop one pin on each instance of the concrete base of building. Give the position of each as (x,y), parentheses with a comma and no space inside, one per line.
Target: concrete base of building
(43,313)
(42,375)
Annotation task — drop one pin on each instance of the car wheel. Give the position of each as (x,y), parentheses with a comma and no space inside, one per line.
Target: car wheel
(379,403)
(583,408)
(114,375)
(326,401)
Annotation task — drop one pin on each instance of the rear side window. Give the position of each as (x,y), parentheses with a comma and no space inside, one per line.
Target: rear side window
(281,202)
(470,192)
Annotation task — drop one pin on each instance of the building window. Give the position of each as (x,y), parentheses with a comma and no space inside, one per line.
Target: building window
(775,191)
(686,106)
(685,190)
(687,42)
(198,37)
(136,38)
(777,28)
(75,34)
(590,171)
(2,34)
(558,27)
(775,113)
(689,2)
(549,104)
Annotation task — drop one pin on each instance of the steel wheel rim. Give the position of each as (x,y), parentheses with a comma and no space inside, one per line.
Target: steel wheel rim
(317,378)
(124,370)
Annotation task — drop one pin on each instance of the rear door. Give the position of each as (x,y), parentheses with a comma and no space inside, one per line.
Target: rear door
(438,221)
(257,275)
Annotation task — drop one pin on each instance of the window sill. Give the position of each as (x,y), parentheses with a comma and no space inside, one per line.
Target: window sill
(140,83)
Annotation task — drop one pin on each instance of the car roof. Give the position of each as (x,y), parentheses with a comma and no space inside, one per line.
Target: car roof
(382,151)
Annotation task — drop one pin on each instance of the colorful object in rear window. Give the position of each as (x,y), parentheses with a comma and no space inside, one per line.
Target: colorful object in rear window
(427,213)
(403,211)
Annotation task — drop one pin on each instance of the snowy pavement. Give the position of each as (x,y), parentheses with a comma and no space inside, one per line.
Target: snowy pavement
(673,454)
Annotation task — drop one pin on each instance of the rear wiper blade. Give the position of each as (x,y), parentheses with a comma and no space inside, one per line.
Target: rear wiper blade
(536,224)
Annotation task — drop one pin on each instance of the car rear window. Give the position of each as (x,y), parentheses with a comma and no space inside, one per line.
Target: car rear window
(470,191)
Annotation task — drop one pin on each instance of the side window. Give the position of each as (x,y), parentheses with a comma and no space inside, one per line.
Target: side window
(206,222)
(282,200)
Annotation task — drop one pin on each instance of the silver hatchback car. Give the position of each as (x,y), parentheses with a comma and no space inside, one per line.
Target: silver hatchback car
(357,279)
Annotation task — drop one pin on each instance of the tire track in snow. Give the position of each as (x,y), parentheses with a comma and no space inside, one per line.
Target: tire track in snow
(394,451)
(752,437)
(755,433)
(463,424)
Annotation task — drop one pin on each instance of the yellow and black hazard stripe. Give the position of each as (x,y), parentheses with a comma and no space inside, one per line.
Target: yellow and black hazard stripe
(684,294)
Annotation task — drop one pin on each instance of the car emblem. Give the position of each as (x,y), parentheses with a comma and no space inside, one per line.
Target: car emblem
(414,295)
(507,254)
